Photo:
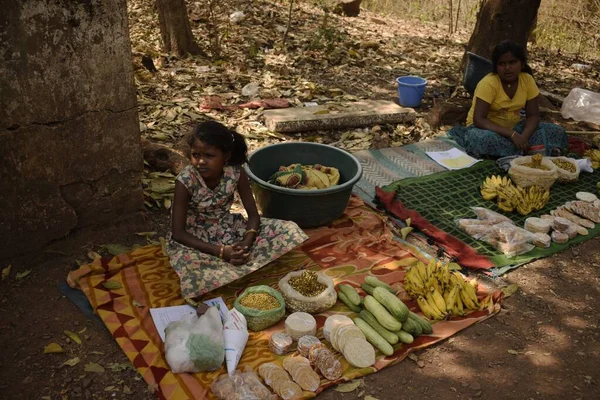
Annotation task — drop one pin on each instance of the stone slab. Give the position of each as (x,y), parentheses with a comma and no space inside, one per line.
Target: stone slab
(337,116)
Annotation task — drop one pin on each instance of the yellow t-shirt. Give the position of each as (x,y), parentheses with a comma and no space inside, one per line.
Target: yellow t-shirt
(503,110)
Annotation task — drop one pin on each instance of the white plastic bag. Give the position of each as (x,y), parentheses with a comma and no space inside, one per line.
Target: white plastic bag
(195,344)
(582,105)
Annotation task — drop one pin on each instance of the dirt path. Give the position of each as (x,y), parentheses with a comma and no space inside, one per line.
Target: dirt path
(543,345)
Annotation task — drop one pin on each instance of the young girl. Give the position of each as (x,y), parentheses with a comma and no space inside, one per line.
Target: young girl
(494,125)
(208,246)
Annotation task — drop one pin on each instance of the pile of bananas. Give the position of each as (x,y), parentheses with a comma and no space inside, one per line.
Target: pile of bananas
(594,156)
(440,292)
(514,198)
(491,184)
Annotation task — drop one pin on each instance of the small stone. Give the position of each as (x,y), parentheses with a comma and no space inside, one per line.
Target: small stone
(475,386)
(464,384)
(478,394)
(85,383)
(453,389)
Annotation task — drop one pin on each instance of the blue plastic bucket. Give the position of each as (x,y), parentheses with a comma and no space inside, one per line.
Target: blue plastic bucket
(410,90)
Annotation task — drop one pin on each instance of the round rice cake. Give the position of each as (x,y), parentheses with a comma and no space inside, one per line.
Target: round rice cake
(321,356)
(290,362)
(277,375)
(347,333)
(331,368)
(305,343)
(331,321)
(586,196)
(266,368)
(334,335)
(596,203)
(307,379)
(288,390)
(314,351)
(295,370)
(360,353)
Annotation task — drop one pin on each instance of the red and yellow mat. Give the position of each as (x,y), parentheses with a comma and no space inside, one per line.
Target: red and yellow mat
(354,246)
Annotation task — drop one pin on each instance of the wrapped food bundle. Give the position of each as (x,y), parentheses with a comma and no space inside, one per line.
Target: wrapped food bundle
(536,225)
(262,306)
(510,239)
(280,343)
(308,291)
(305,343)
(241,385)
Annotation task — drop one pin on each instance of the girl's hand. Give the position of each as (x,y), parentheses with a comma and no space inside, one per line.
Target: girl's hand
(239,254)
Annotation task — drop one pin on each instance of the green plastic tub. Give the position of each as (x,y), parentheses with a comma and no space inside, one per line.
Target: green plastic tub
(307,208)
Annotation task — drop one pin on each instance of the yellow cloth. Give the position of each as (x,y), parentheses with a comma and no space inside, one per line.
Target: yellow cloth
(314,176)
(503,110)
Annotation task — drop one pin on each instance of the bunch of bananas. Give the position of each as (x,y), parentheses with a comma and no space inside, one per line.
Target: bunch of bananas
(511,197)
(441,292)
(594,156)
(524,201)
(491,184)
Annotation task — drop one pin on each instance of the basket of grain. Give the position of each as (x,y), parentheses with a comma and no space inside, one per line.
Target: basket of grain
(533,171)
(262,306)
(567,168)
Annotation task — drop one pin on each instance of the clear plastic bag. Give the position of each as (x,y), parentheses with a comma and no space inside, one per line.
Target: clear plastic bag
(510,239)
(242,385)
(295,301)
(195,344)
(490,216)
(582,105)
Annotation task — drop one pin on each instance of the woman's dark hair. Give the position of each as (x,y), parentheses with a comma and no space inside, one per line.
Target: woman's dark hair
(516,50)
(223,138)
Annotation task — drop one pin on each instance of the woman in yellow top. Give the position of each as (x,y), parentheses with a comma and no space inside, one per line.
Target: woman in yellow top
(494,124)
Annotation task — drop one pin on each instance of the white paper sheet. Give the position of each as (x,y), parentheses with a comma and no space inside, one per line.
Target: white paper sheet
(452,159)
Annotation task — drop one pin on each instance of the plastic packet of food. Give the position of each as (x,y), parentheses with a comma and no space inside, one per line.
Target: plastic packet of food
(510,239)
(490,216)
(242,385)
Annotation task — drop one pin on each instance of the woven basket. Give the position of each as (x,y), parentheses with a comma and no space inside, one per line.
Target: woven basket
(259,320)
(565,176)
(525,176)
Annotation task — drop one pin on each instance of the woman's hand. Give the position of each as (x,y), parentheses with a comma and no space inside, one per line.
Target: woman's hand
(520,141)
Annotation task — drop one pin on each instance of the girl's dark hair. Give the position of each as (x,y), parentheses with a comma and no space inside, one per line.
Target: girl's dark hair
(223,138)
(516,50)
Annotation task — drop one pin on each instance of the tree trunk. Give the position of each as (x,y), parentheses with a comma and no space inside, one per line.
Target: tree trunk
(500,20)
(175,29)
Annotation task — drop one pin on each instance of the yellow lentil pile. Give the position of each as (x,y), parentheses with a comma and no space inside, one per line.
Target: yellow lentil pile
(567,166)
(307,284)
(260,301)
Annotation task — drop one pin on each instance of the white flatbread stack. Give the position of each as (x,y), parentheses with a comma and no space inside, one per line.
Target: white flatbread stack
(349,340)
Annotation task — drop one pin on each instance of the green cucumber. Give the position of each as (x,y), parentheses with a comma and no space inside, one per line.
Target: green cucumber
(425,325)
(348,303)
(370,319)
(405,337)
(381,314)
(371,280)
(411,326)
(350,293)
(367,288)
(373,337)
(393,304)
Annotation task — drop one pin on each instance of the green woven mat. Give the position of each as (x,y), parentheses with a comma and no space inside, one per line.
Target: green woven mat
(445,197)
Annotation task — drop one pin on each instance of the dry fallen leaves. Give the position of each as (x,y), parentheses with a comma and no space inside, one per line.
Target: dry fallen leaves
(53,348)
(94,367)
(112,285)
(73,336)
(348,387)
(6,272)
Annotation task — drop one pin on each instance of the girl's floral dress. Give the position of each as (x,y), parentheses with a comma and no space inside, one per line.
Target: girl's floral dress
(210,220)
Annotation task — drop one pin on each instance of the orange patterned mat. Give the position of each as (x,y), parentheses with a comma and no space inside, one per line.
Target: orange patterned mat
(354,246)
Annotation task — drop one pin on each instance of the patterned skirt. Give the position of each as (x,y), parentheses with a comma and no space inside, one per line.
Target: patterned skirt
(200,273)
(482,143)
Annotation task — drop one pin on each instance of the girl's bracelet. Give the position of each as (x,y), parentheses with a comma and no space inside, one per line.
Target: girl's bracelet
(251,231)
(221,252)
(513,135)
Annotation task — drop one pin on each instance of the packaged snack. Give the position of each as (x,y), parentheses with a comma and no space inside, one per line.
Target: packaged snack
(300,324)
(490,216)
(535,225)
(242,385)
(559,237)
(280,343)
(542,240)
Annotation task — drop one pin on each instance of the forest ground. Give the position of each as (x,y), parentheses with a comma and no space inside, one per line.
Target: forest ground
(544,344)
